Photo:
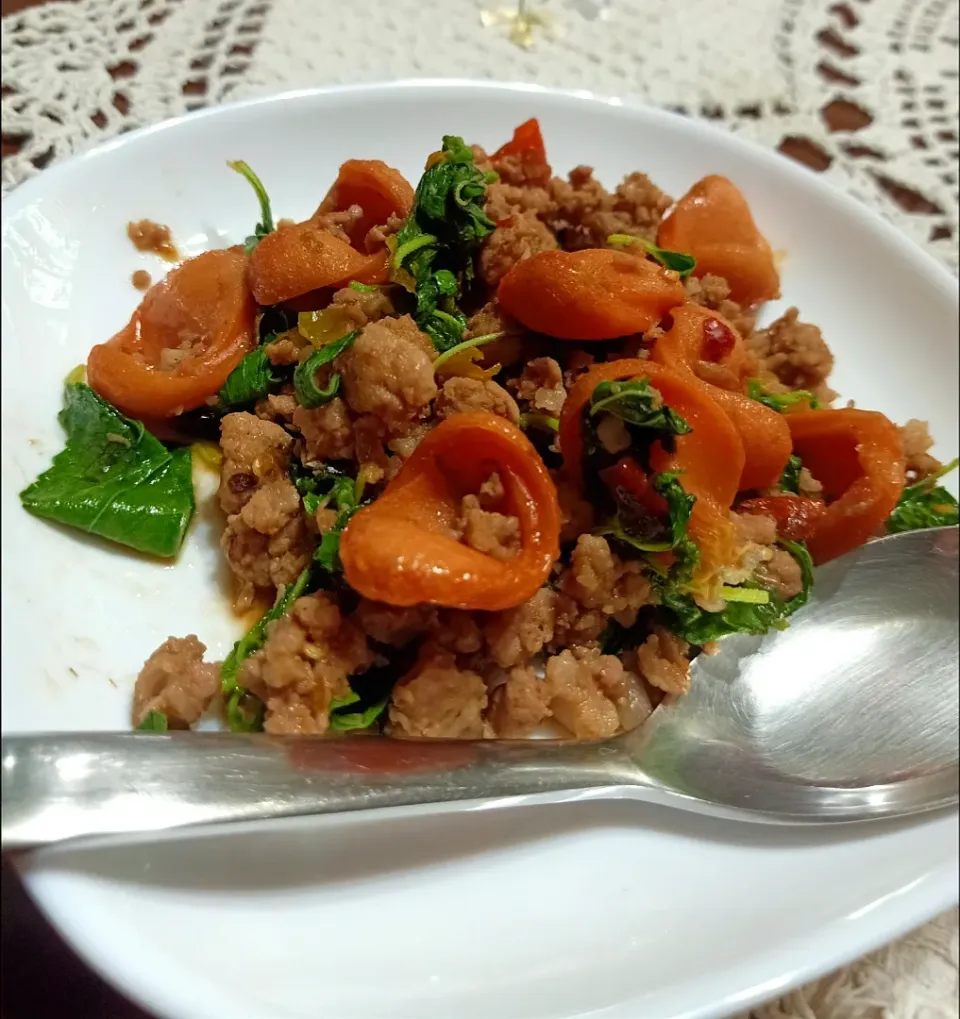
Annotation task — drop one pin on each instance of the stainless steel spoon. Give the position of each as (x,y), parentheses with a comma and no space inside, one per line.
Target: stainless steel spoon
(850,714)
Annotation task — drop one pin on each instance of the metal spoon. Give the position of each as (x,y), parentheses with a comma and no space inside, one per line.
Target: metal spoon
(850,714)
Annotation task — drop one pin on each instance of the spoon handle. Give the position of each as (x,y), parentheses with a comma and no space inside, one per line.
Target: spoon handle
(57,787)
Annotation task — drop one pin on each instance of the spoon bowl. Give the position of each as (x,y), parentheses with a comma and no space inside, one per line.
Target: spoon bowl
(850,714)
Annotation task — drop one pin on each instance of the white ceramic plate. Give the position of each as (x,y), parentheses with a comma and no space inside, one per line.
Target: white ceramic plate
(588,908)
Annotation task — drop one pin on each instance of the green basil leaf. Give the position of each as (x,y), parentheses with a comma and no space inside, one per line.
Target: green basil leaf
(638,403)
(925,504)
(790,479)
(244,711)
(250,381)
(154,721)
(647,535)
(345,721)
(336,703)
(345,497)
(675,260)
(780,401)
(256,636)
(114,479)
(309,394)
(698,627)
(439,238)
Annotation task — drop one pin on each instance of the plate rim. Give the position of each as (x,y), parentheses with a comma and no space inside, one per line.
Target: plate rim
(689,125)
(937,890)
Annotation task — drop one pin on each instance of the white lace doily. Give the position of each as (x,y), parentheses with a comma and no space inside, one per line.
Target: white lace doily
(865,91)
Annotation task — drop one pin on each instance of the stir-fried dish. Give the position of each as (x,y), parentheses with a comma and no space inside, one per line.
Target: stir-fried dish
(503,451)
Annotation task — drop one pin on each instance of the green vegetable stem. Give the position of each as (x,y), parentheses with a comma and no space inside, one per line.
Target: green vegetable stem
(925,504)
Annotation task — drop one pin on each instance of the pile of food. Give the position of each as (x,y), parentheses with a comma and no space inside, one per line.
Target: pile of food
(501,452)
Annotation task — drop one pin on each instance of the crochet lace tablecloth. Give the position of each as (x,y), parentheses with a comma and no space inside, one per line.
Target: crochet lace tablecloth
(863,91)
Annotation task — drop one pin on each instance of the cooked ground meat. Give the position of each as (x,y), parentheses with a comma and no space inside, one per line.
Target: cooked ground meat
(520,704)
(613,434)
(265,539)
(578,362)
(267,543)
(540,386)
(458,631)
(794,352)
(757,528)
(141,280)
(494,534)
(153,237)
(662,660)
(517,238)
(598,579)
(781,573)
(404,445)
(587,214)
(306,661)
(255,452)
(327,431)
(581,680)
(437,699)
(391,624)
(460,395)
(515,170)
(361,307)
(505,200)
(713,292)
(277,407)
(388,373)
(808,485)
(377,236)
(369,434)
(917,443)
(177,682)
(288,349)
(516,635)
(338,223)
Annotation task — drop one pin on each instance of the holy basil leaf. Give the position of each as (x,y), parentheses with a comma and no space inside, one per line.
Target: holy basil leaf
(636,526)
(698,627)
(344,721)
(433,250)
(345,497)
(790,479)
(309,394)
(925,504)
(780,401)
(255,637)
(638,403)
(153,721)
(114,479)
(250,381)
(336,703)
(369,694)
(675,260)
(244,711)
(265,226)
